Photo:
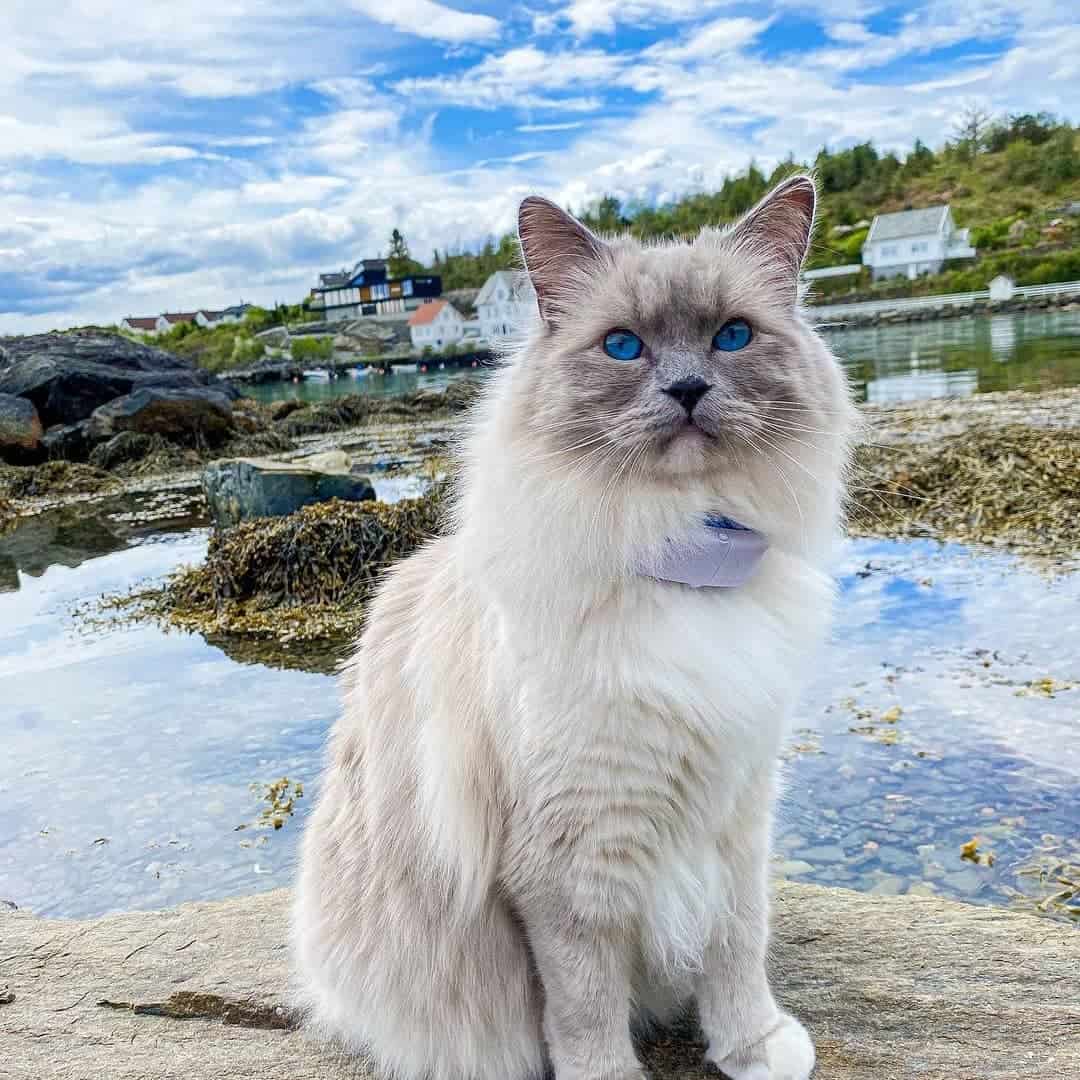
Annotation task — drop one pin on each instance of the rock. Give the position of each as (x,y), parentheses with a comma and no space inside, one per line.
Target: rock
(127,446)
(20,430)
(196,416)
(890,987)
(280,409)
(67,442)
(67,376)
(277,337)
(242,488)
(265,372)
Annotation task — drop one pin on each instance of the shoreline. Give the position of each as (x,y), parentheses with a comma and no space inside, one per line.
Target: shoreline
(883,316)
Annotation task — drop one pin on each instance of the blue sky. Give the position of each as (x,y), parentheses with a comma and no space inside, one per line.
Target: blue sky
(165,156)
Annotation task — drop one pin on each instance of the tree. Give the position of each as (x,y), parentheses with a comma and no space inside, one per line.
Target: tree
(399,262)
(970,129)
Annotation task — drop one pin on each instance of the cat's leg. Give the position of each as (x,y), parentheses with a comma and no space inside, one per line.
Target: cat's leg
(585,969)
(750,1038)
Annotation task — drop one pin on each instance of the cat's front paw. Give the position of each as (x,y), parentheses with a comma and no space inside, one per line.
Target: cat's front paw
(786,1053)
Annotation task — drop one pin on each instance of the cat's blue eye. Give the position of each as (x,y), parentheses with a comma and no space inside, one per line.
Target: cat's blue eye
(623,345)
(735,334)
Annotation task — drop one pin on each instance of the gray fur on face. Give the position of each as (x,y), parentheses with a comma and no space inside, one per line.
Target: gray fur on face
(675,297)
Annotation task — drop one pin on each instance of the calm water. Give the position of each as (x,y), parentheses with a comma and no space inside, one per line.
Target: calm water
(134,761)
(944,358)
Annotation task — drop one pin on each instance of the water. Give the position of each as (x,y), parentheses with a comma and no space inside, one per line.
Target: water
(960,357)
(399,382)
(134,760)
(903,362)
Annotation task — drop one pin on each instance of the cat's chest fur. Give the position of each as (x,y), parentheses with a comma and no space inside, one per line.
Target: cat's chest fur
(642,724)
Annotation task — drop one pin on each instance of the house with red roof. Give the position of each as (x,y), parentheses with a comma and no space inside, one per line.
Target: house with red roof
(435,325)
(140,324)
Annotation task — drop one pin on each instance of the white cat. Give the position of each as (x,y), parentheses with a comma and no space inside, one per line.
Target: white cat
(548,803)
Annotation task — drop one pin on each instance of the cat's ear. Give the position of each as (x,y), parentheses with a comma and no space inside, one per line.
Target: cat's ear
(558,251)
(781,225)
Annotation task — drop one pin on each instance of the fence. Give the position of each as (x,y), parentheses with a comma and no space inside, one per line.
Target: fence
(843,312)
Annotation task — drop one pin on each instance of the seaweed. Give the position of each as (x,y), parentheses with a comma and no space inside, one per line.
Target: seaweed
(300,578)
(1016,486)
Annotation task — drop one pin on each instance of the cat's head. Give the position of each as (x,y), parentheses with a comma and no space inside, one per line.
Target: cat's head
(681,361)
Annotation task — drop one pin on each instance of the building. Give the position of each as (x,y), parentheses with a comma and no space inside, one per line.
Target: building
(914,242)
(204,317)
(367,290)
(147,325)
(506,303)
(435,325)
(169,319)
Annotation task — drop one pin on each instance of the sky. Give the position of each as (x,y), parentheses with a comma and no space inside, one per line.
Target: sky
(197,153)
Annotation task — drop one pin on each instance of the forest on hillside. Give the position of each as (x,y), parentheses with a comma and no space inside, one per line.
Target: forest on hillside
(1007,178)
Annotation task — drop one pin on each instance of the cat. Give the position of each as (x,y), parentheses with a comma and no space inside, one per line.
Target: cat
(547,811)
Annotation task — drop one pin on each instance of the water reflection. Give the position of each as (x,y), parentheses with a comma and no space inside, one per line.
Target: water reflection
(973,354)
(130,753)
(958,357)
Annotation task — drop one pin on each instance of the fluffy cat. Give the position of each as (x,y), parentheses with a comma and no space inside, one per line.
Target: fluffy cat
(548,803)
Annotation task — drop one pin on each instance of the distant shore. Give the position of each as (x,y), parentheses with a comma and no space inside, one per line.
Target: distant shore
(856,315)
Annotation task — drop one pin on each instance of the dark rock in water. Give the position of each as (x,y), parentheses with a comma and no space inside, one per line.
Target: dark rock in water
(67,442)
(20,431)
(127,446)
(242,488)
(199,416)
(67,376)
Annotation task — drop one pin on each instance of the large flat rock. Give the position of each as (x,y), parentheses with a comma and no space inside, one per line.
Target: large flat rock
(238,489)
(890,987)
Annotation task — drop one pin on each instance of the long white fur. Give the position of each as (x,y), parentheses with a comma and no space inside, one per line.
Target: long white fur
(549,795)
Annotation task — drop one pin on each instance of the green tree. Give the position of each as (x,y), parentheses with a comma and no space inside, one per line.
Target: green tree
(399,262)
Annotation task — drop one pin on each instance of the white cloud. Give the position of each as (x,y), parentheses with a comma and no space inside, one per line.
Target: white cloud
(424,18)
(521,78)
(569,125)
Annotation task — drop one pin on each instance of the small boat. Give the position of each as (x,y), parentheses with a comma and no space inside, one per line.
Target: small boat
(358,372)
(317,375)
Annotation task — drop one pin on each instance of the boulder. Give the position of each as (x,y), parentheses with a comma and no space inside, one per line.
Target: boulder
(276,337)
(122,448)
(889,987)
(195,416)
(67,376)
(67,442)
(238,489)
(20,430)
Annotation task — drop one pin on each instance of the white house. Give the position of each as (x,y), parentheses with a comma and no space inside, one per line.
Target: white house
(914,242)
(435,325)
(147,326)
(504,304)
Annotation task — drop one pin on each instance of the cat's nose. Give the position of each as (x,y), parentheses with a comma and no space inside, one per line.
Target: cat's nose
(689,391)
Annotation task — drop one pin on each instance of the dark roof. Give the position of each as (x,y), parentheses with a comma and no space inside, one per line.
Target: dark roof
(140,322)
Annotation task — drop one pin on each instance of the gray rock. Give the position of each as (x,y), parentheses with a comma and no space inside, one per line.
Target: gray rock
(195,416)
(127,446)
(20,430)
(67,376)
(890,987)
(67,442)
(238,489)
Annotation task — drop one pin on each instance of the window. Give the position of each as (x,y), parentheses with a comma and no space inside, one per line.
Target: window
(887,249)
(920,247)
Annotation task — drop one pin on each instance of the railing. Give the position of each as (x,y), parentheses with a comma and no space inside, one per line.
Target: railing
(867,308)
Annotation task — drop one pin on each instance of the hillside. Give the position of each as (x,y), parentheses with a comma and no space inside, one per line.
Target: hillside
(1006,180)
